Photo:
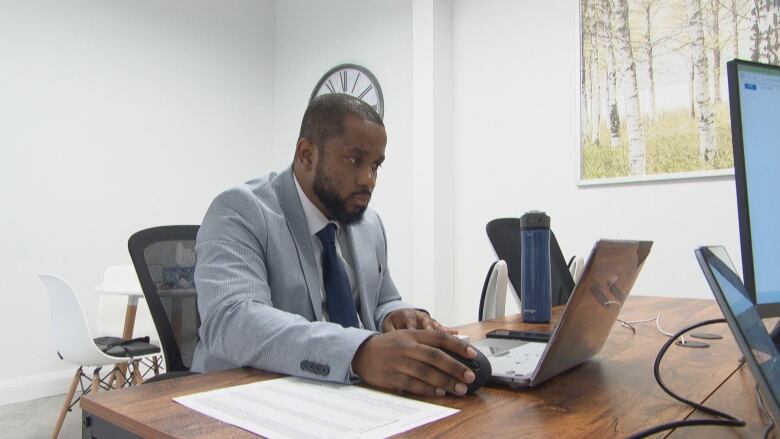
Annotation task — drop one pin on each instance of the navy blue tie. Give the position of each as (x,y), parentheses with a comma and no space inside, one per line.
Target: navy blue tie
(338,294)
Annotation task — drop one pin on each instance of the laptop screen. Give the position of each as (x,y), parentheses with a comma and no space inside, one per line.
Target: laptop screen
(745,323)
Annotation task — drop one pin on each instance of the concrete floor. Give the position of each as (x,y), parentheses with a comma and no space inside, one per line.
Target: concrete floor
(36,419)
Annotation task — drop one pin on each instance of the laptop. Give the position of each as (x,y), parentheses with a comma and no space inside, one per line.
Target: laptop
(585,323)
(745,323)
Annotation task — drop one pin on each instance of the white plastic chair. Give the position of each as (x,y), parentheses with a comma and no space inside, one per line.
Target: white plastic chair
(576,267)
(74,342)
(493,301)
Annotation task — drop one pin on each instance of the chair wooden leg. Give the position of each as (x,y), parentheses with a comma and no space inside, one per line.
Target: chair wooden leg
(136,372)
(123,368)
(120,378)
(66,404)
(119,371)
(95,380)
(112,378)
(155,366)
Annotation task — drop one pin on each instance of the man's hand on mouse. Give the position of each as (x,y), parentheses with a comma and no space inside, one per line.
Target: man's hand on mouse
(413,319)
(413,361)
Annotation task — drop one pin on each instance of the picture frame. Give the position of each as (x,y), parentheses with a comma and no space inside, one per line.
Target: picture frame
(653,94)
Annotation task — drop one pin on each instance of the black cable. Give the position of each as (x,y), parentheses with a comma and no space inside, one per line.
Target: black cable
(684,423)
(727,420)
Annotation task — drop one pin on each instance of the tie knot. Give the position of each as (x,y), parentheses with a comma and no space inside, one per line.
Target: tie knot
(328,234)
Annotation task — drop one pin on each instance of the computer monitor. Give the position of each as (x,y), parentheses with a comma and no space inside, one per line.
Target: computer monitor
(754,95)
(742,316)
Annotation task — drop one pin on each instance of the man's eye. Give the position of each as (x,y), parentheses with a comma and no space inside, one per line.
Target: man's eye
(353,160)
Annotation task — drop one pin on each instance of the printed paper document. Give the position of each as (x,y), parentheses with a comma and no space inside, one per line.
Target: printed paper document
(299,408)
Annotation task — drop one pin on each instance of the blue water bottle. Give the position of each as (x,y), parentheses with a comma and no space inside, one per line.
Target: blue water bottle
(535,282)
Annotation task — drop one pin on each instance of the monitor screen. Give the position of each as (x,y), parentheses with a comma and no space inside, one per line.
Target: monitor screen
(754,93)
(745,323)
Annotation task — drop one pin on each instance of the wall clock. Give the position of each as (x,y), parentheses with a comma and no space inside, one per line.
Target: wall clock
(354,80)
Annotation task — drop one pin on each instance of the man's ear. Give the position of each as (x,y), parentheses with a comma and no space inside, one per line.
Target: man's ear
(306,154)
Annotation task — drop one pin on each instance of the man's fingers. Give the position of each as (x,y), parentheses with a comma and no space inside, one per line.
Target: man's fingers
(430,375)
(405,383)
(413,361)
(389,326)
(443,340)
(410,319)
(414,319)
(444,364)
(440,327)
(424,321)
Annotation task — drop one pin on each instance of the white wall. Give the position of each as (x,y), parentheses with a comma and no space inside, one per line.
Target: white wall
(515,91)
(115,116)
(313,37)
(118,116)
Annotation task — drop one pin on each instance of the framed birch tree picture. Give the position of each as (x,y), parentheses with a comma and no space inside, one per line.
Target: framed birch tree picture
(653,87)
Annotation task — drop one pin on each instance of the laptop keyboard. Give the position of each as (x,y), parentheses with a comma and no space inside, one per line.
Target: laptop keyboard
(518,361)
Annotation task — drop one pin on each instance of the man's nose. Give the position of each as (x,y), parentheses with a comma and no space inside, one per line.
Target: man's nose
(367,178)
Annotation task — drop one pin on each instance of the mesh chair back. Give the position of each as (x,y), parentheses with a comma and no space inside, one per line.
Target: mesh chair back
(164,259)
(504,235)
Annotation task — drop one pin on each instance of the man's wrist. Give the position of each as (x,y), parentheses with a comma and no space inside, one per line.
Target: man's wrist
(352,373)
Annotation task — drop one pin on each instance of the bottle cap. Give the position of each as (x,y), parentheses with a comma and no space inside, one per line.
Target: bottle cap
(534,219)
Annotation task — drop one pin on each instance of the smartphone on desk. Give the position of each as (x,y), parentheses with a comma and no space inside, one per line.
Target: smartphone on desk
(538,336)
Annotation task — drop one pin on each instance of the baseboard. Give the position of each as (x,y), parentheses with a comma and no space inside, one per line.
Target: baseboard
(28,387)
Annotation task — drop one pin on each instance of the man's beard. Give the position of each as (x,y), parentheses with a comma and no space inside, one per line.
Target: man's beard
(336,206)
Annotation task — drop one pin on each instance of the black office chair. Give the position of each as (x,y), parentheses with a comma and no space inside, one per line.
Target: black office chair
(504,236)
(164,259)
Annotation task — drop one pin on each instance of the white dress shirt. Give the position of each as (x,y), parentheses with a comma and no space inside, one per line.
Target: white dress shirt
(316,221)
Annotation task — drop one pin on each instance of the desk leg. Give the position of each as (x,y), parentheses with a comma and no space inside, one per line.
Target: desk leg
(127,334)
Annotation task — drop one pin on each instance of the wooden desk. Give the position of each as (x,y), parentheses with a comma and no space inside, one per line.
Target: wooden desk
(612,395)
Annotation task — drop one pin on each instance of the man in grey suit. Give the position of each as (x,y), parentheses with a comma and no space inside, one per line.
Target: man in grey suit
(292,273)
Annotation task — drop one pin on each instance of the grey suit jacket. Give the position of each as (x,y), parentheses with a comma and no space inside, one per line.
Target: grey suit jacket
(259,288)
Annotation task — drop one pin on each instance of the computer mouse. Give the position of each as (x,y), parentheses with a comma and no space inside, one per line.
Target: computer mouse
(479,365)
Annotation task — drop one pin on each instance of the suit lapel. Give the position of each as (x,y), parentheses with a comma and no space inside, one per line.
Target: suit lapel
(296,221)
(364,260)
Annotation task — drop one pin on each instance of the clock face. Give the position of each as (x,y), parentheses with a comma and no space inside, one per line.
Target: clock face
(353,80)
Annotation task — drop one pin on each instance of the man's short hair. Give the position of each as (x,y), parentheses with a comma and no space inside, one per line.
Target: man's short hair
(324,118)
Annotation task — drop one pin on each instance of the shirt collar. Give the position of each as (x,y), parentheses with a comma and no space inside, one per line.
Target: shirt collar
(315,219)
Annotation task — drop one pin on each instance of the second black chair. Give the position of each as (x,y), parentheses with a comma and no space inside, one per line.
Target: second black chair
(164,259)
(504,236)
